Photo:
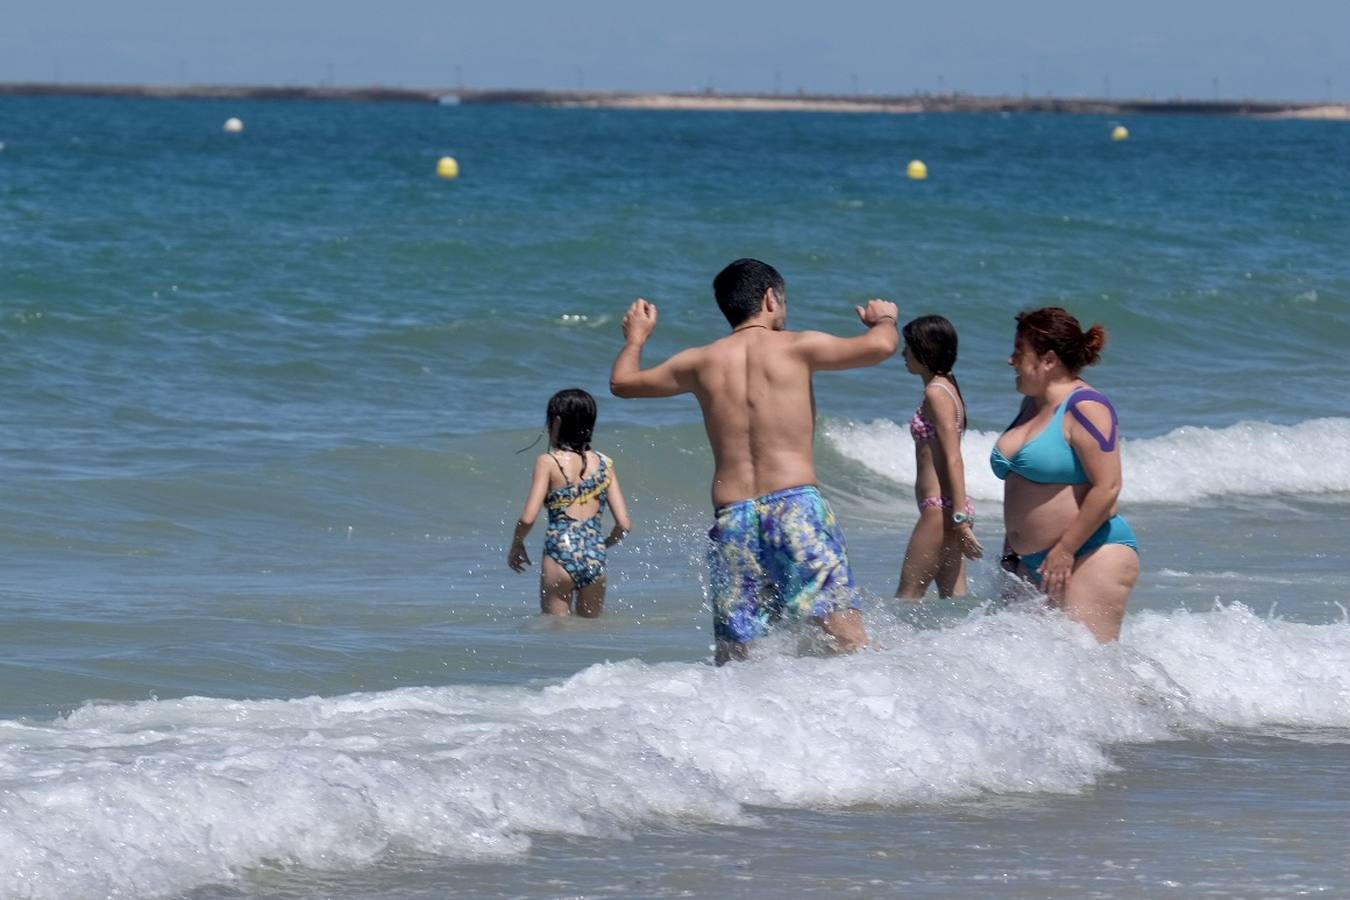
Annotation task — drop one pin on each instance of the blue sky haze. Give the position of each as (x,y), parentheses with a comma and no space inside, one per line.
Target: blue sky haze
(1197,49)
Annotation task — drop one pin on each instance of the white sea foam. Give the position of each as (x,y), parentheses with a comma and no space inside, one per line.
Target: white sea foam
(1242,670)
(153,798)
(1252,459)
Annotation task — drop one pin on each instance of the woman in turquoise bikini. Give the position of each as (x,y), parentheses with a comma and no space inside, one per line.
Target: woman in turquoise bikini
(574,484)
(1060,462)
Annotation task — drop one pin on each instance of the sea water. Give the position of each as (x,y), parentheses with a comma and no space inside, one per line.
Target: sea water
(263,394)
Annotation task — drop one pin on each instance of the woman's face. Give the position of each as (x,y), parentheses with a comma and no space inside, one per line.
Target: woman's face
(1029,367)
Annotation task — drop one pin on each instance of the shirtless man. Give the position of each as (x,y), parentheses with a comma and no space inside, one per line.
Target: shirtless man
(775,545)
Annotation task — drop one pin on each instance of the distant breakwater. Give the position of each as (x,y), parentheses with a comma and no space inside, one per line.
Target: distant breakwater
(704,100)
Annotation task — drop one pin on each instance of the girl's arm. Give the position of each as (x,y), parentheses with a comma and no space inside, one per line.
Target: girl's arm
(517,558)
(1100,454)
(618,507)
(951,469)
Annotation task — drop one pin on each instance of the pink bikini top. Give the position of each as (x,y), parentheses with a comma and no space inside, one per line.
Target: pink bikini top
(923,430)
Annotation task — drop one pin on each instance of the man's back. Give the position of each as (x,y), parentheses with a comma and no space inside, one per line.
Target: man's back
(759,409)
(754,387)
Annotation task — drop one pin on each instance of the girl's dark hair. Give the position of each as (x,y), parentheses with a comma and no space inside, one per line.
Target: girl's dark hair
(932,341)
(575,411)
(1052,328)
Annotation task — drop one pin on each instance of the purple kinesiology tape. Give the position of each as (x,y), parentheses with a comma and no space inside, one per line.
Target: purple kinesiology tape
(1106,443)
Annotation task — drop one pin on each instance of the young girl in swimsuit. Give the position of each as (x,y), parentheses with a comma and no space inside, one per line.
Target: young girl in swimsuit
(1060,461)
(944,535)
(574,484)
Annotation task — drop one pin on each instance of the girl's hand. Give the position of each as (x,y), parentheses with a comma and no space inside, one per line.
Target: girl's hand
(518,558)
(616,535)
(971,548)
(1055,572)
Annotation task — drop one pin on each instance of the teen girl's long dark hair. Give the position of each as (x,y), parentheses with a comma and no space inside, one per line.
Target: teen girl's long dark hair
(932,341)
(575,411)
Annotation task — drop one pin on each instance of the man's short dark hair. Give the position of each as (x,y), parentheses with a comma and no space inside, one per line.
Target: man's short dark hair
(740,287)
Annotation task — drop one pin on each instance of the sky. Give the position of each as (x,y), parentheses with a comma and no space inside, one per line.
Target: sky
(1162,49)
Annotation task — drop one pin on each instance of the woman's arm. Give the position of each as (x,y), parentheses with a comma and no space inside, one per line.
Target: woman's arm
(1094,438)
(517,557)
(618,507)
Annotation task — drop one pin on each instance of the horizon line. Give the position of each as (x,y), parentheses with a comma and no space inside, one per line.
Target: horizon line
(705,99)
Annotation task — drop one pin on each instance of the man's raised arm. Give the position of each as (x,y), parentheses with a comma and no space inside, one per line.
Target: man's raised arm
(627,378)
(826,352)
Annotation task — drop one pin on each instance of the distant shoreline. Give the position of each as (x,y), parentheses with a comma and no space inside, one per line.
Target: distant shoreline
(706,100)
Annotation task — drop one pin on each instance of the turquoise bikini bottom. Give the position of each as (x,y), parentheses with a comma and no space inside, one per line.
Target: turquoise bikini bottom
(1114,530)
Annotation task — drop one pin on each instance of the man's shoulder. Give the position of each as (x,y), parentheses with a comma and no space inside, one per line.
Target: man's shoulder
(808,339)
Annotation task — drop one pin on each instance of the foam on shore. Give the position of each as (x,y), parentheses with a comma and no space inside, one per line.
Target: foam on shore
(155,798)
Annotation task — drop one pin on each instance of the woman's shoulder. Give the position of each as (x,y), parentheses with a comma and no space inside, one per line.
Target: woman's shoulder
(1094,414)
(1086,393)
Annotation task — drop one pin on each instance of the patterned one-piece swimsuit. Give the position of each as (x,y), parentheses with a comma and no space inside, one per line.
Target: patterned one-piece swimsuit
(578,545)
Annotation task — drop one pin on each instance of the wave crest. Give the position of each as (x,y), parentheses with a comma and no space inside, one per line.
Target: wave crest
(1251,459)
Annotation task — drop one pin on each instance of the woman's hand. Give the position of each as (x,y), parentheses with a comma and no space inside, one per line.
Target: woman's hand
(971,548)
(1055,572)
(616,534)
(518,558)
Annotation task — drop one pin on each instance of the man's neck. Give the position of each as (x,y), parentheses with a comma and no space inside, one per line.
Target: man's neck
(766,324)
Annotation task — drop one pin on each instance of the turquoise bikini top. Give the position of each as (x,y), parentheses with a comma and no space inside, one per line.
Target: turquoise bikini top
(1047,458)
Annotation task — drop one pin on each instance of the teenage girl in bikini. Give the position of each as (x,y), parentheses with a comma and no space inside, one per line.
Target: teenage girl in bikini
(944,534)
(574,483)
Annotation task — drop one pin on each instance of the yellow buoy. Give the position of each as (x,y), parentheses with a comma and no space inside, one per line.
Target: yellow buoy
(233,125)
(447,167)
(1120,133)
(917,170)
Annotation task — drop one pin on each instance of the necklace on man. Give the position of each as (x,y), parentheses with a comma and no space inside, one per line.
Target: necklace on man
(748,327)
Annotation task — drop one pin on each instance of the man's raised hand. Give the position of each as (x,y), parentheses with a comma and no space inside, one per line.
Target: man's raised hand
(877,310)
(639,322)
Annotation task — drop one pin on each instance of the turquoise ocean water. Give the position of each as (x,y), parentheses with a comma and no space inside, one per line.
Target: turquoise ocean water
(262,395)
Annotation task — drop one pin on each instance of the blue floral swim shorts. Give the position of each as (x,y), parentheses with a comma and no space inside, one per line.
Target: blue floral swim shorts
(780,553)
